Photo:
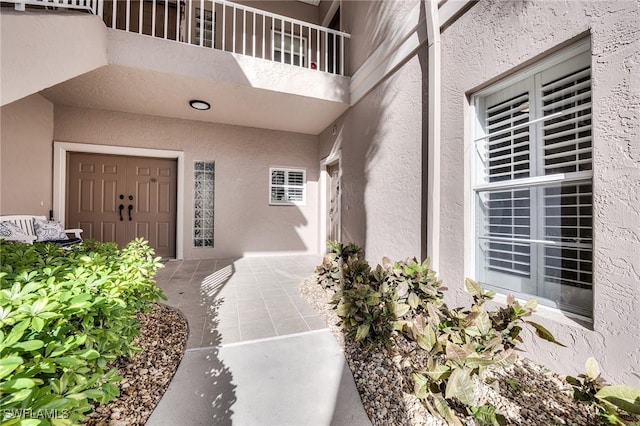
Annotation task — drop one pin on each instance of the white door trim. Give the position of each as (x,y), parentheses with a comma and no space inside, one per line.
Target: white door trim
(60,150)
(335,157)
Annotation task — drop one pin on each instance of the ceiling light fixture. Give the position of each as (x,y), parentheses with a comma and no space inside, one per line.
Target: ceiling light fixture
(199,105)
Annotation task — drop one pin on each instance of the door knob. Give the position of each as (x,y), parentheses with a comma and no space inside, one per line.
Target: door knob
(120,208)
(129,210)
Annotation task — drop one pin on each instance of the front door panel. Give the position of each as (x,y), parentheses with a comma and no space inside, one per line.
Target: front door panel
(152,183)
(117,198)
(93,185)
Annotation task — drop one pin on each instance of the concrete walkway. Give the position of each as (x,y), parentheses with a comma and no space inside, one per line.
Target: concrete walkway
(257,353)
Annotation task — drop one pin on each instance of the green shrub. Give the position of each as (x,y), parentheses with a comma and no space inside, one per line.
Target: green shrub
(64,314)
(405,300)
(329,272)
(608,400)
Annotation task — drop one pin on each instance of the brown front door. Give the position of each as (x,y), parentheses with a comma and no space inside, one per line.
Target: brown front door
(117,198)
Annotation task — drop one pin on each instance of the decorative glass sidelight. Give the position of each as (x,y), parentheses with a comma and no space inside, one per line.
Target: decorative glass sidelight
(203,202)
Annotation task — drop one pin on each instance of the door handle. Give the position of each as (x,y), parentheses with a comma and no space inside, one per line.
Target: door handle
(120,208)
(129,210)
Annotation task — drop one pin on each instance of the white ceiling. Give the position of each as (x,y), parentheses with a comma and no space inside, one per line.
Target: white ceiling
(136,91)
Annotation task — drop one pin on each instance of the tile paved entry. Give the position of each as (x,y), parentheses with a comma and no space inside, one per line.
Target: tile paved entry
(233,300)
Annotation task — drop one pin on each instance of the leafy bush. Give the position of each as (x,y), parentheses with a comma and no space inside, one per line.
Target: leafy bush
(64,314)
(608,400)
(329,272)
(405,300)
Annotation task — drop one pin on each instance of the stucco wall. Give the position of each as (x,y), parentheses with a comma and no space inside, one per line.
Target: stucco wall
(245,224)
(25,156)
(380,140)
(35,44)
(498,37)
(370,22)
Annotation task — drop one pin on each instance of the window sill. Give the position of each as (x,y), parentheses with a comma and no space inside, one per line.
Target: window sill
(552,314)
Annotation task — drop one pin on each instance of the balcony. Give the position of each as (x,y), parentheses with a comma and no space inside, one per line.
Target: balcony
(221,25)
(258,68)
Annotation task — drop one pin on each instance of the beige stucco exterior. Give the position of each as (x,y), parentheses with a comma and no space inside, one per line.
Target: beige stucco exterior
(26,132)
(380,144)
(269,114)
(245,223)
(45,49)
(498,38)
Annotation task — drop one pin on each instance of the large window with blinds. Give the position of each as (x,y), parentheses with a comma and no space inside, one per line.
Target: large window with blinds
(287,186)
(532,183)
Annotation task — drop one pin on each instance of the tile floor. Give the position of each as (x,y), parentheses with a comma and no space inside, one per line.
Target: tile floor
(233,300)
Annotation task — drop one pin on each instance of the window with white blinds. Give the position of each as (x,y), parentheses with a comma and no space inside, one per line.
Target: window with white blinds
(287,186)
(204,22)
(533,183)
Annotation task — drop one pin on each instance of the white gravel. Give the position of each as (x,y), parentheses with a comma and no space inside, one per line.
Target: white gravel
(525,393)
(146,376)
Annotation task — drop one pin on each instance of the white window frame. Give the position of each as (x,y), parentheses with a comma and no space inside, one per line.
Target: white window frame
(286,186)
(476,168)
(209,35)
(288,43)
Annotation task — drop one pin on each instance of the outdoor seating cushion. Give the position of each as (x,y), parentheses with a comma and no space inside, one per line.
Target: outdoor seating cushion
(9,230)
(49,230)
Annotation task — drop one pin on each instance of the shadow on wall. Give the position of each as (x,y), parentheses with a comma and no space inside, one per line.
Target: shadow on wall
(423,58)
(278,230)
(361,133)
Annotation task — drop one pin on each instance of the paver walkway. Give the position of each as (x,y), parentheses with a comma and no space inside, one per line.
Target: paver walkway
(257,353)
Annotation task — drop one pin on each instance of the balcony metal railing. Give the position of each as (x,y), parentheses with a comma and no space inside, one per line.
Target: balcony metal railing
(222,25)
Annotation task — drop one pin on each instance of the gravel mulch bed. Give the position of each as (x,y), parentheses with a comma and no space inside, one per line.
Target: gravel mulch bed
(525,393)
(145,376)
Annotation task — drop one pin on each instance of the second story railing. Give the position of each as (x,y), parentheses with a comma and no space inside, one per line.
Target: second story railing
(222,25)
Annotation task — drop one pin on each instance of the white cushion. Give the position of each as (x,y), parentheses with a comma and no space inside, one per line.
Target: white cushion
(47,230)
(9,230)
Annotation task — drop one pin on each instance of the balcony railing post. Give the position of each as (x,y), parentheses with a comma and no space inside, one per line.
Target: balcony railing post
(166,19)
(114,9)
(128,15)
(282,40)
(327,55)
(189,19)
(153,18)
(202,17)
(342,55)
(233,40)
(224,27)
(244,32)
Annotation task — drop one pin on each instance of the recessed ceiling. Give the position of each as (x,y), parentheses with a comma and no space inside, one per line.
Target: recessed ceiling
(137,91)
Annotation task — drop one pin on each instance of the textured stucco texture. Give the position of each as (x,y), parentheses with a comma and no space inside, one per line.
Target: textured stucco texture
(245,223)
(498,37)
(41,48)
(380,143)
(26,128)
